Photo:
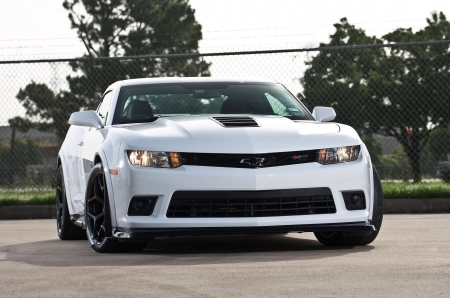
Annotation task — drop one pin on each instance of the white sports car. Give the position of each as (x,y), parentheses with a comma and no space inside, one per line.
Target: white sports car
(207,156)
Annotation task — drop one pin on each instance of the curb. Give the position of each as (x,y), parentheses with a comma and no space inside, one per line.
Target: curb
(391,206)
(438,205)
(28,212)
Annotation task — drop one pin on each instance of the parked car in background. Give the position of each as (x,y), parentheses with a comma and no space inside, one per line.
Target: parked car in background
(441,167)
(208,156)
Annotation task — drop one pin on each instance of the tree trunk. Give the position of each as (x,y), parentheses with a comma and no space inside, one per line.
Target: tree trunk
(413,153)
(12,163)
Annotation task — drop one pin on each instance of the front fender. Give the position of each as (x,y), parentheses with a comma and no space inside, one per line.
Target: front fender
(66,180)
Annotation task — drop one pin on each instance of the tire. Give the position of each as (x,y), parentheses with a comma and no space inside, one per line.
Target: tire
(64,226)
(98,219)
(338,239)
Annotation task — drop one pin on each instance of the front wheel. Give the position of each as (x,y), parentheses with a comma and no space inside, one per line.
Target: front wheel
(338,239)
(98,219)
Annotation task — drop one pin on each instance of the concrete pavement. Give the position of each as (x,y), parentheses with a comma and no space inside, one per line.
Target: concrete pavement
(410,258)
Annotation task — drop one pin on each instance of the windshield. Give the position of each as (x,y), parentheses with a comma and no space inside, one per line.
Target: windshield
(145,102)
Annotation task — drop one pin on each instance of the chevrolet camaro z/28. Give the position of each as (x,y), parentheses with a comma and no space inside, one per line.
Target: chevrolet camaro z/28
(207,156)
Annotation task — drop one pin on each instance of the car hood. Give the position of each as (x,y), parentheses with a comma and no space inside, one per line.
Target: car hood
(202,134)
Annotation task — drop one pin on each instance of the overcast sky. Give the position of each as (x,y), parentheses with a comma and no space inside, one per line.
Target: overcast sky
(40,28)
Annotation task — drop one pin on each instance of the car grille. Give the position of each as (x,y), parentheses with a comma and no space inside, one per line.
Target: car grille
(305,201)
(249,160)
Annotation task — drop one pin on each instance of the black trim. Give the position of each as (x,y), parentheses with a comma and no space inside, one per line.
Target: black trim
(263,203)
(352,228)
(349,205)
(236,121)
(151,201)
(245,160)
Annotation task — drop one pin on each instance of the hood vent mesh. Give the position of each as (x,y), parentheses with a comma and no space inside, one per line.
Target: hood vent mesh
(241,121)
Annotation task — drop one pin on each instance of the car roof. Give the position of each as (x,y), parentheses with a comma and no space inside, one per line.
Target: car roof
(166,80)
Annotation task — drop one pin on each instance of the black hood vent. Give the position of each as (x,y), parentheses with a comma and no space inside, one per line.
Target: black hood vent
(238,121)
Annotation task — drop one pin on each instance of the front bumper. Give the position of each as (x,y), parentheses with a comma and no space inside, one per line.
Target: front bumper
(141,235)
(162,183)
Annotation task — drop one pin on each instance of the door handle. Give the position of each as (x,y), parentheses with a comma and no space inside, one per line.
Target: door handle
(80,143)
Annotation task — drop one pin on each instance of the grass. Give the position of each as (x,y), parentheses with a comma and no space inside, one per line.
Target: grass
(406,190)
(391,190)
(14,198)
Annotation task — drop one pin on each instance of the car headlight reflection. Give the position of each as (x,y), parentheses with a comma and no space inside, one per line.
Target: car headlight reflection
(155,159)
(338,155)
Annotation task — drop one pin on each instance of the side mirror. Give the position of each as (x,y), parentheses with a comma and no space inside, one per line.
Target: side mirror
(86,118)
(324,114)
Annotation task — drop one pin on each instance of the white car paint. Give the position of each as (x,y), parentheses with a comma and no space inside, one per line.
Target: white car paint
(200,134)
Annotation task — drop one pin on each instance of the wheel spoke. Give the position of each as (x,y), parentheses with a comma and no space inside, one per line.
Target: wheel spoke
(91,215)
(96,198)
(95,208)
(97,217)
(101,228)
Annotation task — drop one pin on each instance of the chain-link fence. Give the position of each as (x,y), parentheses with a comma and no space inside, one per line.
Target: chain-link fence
(396,96)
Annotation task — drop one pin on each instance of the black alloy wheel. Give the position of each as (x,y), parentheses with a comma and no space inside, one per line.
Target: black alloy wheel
(98,219)
(95,209)
(64,226)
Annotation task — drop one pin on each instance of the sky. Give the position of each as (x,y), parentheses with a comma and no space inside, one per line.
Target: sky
(41,29)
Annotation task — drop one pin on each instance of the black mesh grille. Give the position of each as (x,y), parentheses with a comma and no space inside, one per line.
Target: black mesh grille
(251,203)
(241,121)
(249,160)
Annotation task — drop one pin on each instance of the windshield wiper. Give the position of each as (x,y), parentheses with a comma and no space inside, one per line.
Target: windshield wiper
(143,120)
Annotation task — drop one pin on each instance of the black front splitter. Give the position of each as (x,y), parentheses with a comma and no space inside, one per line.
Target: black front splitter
(140,235)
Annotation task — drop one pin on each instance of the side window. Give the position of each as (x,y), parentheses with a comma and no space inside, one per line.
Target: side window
(103,107)
(280,108)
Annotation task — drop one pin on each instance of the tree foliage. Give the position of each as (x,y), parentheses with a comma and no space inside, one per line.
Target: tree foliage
(401,91)
(130,28)
(374,147)
(115,28)
(27,151)
(53,109)
(439,143)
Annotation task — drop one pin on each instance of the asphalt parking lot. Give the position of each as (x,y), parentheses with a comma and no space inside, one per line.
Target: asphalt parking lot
(410,258)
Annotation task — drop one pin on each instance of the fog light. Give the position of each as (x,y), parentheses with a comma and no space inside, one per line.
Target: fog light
(354,200)
(141,206)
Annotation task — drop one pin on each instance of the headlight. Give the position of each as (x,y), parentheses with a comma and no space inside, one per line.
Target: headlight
(156,159)
(338,155)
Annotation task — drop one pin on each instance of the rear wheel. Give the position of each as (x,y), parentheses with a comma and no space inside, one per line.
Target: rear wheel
(66,229)
(340,239)
(98,219)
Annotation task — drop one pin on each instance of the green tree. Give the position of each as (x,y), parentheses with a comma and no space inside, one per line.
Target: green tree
(115,28)
(129,28)
(21,125)
(401,92)
(26,152)
(374,147)
(393,165)
(53,109)
(339,78)
(439,143)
